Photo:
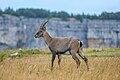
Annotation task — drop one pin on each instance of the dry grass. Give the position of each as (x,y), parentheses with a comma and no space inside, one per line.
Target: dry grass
(37,67)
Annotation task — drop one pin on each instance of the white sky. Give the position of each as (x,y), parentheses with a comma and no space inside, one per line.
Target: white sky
(70,6)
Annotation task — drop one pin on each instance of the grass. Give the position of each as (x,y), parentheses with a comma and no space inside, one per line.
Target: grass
(35,65)
(106,52)
(22,53)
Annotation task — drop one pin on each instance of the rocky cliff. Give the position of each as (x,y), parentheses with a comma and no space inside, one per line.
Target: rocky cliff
(18,32)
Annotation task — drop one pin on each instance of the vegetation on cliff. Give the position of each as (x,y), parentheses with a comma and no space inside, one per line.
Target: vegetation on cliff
(42,13)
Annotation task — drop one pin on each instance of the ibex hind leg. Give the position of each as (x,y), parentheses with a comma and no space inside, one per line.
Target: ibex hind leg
(73,53)
(84,58)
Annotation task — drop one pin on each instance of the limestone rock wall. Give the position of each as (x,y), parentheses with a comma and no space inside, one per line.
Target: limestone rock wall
(18,32)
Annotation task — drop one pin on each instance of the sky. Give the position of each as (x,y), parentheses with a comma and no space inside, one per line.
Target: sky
(70,6)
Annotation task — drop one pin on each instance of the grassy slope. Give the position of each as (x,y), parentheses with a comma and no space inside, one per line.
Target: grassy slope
(107,52)
(35,65)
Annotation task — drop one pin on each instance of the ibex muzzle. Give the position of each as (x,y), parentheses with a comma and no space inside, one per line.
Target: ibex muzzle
(60,45)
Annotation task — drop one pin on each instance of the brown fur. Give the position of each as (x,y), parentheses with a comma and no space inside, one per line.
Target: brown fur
(60,45)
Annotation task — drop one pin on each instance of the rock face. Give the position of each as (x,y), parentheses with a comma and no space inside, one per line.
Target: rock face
(18,32)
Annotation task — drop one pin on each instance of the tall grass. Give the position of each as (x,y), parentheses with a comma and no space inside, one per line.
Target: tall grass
(38,68)
(35,65)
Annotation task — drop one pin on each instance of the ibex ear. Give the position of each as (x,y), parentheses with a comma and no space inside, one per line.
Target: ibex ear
(44,28)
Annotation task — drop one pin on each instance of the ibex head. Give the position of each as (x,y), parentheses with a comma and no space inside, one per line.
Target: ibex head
(41,31)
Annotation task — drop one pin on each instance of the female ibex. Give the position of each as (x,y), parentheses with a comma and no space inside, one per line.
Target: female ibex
(61,45)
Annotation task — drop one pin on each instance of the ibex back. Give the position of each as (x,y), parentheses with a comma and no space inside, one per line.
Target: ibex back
(60,45)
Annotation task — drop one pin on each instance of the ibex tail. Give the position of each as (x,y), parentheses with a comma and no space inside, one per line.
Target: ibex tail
(81,45)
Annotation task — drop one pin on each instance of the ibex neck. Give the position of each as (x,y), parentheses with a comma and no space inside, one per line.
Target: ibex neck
(47,38)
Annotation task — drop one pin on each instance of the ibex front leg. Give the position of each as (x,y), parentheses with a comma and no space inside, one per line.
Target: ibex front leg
(53,58)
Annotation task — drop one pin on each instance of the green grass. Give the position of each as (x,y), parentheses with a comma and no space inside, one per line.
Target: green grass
(106,52)
(22,53)
(26,53)
(90,52)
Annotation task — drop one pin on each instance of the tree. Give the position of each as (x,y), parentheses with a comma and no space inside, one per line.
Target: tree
(9,11)
(25,12)
(1,12)
(63,15)
(117,16)
(42,13)
(104,15)
(54,14)
(78,17)
(95,17)
(72,16)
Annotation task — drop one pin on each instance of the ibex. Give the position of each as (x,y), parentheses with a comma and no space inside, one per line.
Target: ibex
(60,45)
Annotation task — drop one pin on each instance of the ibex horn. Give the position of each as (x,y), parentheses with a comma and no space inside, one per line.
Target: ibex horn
(45,23)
